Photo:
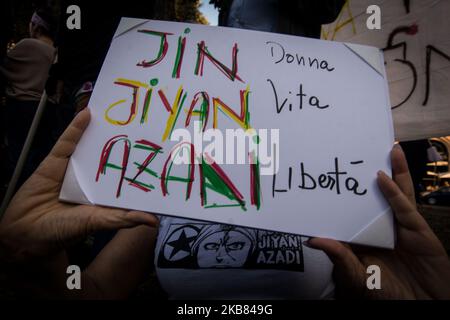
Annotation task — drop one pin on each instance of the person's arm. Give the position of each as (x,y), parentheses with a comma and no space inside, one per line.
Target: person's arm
(37,228)
(12,58)
(418,268)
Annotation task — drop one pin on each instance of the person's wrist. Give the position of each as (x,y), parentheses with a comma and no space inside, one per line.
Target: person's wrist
(31,273)
(18,248)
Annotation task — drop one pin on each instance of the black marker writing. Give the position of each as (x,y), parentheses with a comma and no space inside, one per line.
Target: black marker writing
(279,54)
(302,99)
(336,180)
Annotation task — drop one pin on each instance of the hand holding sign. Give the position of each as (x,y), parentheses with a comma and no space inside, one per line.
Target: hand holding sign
(37,229)
(36,226)
(417,269)
(45,224)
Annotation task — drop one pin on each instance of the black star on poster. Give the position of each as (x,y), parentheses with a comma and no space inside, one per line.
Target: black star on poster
(180,244)
(176,249)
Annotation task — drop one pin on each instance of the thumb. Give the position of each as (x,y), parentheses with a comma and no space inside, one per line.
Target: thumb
(81,221)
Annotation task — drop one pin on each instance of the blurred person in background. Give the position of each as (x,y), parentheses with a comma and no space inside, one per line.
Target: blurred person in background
(81,51)
(25,70)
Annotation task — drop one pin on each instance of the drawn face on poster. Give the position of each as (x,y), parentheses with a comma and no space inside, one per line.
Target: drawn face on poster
(217,246)
(223,247)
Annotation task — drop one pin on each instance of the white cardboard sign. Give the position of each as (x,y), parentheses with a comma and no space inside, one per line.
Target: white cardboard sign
(316,116)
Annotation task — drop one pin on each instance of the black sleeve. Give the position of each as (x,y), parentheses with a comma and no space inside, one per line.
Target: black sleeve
(317,11)
(224,9)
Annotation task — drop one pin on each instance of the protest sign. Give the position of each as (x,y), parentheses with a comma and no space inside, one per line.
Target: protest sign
(239,127)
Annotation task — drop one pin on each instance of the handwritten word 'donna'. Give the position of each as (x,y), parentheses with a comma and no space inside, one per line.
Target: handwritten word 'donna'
(279,55)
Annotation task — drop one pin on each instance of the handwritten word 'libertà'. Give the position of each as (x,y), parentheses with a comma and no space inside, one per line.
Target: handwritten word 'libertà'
(335,180)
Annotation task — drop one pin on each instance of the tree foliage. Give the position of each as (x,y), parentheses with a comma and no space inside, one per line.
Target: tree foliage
(189,11)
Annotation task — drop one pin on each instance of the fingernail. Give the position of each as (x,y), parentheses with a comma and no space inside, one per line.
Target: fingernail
(398,146)
(148,220)
(155,220)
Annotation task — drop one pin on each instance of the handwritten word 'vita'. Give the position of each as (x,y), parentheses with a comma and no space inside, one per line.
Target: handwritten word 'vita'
(279,54)
(303,99)
(335,180)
